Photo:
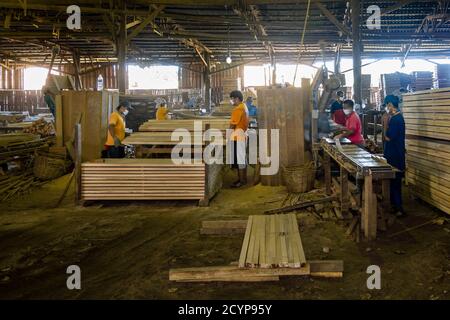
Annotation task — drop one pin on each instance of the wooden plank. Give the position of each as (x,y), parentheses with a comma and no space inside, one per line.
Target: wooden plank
(245,244)
(252,243)
(284,262)
(298,241)
(262,243)
(272,242)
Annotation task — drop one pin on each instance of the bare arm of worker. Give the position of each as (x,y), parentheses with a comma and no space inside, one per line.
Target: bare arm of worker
(344,134)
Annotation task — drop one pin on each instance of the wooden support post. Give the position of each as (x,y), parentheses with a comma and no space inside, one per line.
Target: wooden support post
(327,168)
(207,81)
(78,159)
(59,121)
(356,32)
(370,210)
(76,64)
(344,195)
(122,53)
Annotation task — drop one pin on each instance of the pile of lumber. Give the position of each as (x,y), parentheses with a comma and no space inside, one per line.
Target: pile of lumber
(442,76)
(278,237)
(188,124)
(142,179)
(422,80)
(392,82)
(427,117)
(41,127)
(285,109)
(272,241)
(16,146)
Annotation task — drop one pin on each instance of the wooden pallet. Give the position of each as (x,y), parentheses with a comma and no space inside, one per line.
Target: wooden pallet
(171,125)
(272,241)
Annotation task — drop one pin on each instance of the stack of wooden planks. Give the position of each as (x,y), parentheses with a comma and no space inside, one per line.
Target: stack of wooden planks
(171,125)
(272,241)
(422,80)
(285,109)
(442,76)
(427,118)
(392,82)
(142,179)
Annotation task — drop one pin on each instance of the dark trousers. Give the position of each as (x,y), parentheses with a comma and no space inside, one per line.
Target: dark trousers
(116,152)
(396,191)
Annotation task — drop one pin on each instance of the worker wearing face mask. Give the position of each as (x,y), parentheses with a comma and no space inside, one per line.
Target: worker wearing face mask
(353,126)
(116,132)
(336,110)
(394,150)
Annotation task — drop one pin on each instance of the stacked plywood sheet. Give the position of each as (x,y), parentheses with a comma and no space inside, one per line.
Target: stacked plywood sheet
(427,117)
(285,109)
(272,241)
(142,179)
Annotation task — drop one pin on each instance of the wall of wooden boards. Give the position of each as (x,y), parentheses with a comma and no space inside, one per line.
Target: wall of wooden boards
(285,109)
(95,108)
(427,118)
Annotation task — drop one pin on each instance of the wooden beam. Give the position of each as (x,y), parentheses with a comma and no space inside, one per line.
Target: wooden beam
(356,32)
(122,53)
(333,19)
(395,7)
(144,23)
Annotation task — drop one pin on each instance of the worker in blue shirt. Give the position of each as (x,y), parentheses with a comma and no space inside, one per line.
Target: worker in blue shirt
(252,110)
(394,150)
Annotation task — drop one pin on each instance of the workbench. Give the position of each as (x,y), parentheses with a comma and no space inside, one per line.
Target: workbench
(366,168)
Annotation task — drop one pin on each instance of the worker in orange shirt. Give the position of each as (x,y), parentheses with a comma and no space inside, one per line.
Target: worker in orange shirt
(239,124)
(162,111)
(116,132)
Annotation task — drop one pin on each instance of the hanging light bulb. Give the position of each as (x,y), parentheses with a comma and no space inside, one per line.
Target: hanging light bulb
(229,60)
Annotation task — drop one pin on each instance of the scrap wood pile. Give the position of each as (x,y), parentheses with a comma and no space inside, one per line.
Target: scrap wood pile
(19,145)
(427,118)
(41,127)
(271,248)
(11,118)
(14,185)
(315,202)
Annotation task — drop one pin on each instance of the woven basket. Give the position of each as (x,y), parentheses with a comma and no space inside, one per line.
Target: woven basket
(299,179)
(47,168)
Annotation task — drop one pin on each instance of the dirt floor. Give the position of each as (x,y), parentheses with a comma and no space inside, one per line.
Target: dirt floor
(125,250)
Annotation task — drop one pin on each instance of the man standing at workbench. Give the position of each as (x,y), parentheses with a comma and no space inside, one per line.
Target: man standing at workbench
(239,123)
(353,126)
(116,132)
(394,150)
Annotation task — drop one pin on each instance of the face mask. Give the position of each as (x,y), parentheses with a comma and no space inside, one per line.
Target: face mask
(125,112)
(347,112)
(231,101)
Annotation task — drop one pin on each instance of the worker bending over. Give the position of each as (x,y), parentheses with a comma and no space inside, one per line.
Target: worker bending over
(116,132)
(239,123)
(394,150)
(162,110)
(353,126)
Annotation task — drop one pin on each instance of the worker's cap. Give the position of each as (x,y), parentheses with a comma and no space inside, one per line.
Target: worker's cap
(391,99)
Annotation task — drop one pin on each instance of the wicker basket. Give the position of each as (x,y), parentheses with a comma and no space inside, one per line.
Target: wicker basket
(299,179)
(47,167)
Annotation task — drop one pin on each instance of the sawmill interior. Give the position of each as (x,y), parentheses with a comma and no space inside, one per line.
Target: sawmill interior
(125,124)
